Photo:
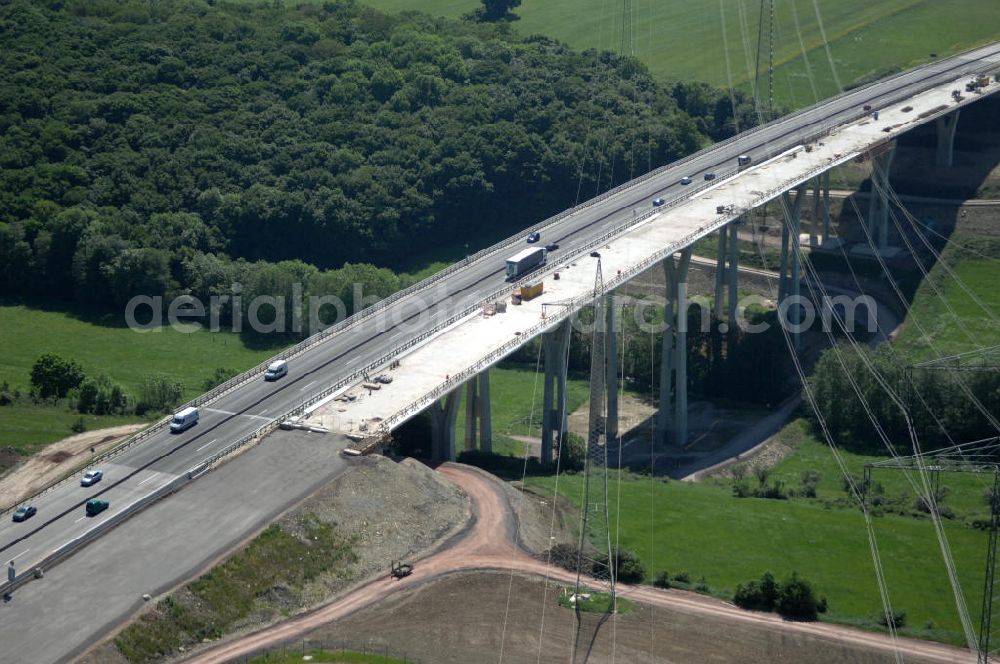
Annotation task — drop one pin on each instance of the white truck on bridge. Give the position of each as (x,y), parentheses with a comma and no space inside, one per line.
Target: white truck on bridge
(524,262)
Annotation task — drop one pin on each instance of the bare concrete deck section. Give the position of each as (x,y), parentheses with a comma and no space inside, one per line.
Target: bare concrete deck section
(433,369)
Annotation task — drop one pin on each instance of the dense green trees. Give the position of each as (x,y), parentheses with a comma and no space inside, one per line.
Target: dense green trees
(940,402)
(168,148)
(793,598)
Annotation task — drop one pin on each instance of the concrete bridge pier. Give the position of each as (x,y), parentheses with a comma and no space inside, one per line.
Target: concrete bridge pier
(732,275)
(443,415)
(826,206)
(555,344)
(821,210)
(946,126)
(789,284)
(878,208)
(720,273)
(611,367)
(673,367)
(477,411)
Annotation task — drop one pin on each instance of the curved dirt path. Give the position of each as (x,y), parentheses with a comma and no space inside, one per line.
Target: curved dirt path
(488,543)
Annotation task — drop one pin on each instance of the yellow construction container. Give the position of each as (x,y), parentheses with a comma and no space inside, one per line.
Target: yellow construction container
(531,291)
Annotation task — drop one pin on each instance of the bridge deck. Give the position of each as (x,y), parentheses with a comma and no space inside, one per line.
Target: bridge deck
(445,361)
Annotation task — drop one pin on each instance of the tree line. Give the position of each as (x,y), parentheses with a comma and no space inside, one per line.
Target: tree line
(175,147)
(941,404)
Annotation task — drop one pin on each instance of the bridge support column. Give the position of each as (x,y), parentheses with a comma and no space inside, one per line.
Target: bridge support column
(732,273)
(556,347)
(471,405)
(720,273)
(485,413)
(443,416)
(946,126)
(477,412)
(826,206)
(789,285)
(673,367)
(878,208)
(611,370)
(814,222)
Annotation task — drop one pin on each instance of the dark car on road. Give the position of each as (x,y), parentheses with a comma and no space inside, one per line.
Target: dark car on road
(685,180)
(657,202)
(551,246)
(709,176)
(96,506)
(91,477)
(24,512)
(534,237)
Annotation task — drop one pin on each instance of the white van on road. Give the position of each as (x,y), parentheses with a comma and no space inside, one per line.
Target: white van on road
(184,419)
(276,370)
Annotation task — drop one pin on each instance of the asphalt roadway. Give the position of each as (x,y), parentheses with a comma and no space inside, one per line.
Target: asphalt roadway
(77,602)
(164,456)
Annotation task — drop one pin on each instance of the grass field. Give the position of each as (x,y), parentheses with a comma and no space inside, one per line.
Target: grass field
(683,40)
(703,530)
(102,346)
(126,356)
(971,321)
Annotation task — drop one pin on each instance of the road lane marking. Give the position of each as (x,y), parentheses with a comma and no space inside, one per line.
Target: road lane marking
(146,480)
(80,519)
(351,361)
(305,387)
(203,446)
(261,413)
(216,410)
(19,555)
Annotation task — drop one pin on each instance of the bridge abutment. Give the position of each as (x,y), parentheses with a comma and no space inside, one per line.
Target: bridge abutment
(555,345)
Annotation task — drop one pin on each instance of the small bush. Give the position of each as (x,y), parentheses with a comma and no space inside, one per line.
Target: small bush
(218,377)
(564,555)
(796,599)
(78,426)
(682,577)
(662,580)
(897,620)
(628,567)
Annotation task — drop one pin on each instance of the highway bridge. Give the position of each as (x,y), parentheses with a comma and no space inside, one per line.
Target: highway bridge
(441,340)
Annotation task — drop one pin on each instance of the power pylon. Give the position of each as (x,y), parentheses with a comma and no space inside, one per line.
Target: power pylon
(595,529)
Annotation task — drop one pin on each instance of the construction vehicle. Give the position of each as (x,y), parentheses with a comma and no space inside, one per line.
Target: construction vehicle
(400,569)
(524,262)
(530,291)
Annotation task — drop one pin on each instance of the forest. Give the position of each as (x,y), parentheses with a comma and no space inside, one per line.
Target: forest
(179,146)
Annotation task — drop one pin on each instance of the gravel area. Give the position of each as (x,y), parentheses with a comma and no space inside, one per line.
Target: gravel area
(393,511)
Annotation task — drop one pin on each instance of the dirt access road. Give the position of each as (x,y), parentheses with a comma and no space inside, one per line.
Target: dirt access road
(488,543)
(57,459)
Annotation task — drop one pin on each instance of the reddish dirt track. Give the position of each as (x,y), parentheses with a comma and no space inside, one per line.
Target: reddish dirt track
(488,544)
